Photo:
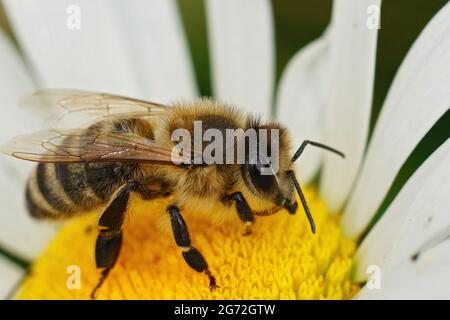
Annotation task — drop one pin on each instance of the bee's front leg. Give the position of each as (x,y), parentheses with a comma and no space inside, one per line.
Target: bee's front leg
(191,255)
(243,210)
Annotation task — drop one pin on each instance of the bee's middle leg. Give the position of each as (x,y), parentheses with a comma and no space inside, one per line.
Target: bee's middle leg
(243,210)
(191,255)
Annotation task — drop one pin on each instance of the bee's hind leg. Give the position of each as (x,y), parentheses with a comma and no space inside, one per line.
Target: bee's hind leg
(243,210)
(191,255)
(109,239)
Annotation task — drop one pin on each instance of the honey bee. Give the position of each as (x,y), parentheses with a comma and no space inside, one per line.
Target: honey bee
(127,147)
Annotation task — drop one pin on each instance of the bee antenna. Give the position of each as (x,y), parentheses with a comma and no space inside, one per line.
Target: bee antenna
(316,144)
(291,174)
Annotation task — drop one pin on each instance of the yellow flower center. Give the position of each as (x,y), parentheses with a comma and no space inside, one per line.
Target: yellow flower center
(281,259)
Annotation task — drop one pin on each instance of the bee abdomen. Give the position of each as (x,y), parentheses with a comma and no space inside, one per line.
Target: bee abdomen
(75,183)
(58,190)
(47,197)
(40,203)
(36,205)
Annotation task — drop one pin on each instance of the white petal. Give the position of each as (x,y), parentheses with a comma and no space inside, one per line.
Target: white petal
(18,232)
(426,278)
(10,276)
(301,100)
(347,117)
(241,43)
(418,97)
(14,82)
(417,219)
(159,49)
(95,57)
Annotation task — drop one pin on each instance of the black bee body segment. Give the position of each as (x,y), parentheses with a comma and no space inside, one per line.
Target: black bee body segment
(48,185)
(191,255)
(73,178)
(104,178)
(243,210)
(36,211)
(45,196)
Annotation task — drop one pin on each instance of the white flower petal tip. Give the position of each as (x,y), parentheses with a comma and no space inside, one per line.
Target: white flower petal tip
(352,67)
(416,220)
(10,276)
(159,49)
(98,45)
(418,97)
(427,277)
(241,45)
(301,100)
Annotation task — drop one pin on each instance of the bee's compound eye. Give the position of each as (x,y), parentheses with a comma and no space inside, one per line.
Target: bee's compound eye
(259,178)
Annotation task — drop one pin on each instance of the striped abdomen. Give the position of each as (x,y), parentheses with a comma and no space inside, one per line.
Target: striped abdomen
(58,190)
(62,190)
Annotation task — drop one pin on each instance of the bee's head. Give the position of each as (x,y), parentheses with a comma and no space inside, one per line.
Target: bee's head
(266,169)
(270,174)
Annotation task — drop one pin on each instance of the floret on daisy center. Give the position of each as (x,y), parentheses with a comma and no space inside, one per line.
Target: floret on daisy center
(281,259)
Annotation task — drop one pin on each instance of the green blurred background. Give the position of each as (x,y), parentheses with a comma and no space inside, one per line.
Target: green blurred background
(298,22)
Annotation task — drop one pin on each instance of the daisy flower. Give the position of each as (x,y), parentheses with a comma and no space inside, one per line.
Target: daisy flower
(138,48)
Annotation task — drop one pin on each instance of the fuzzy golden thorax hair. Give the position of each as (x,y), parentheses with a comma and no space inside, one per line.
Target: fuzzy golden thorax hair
(215,181)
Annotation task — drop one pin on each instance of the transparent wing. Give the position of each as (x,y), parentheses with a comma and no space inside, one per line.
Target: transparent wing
(76,108)
(89,145)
